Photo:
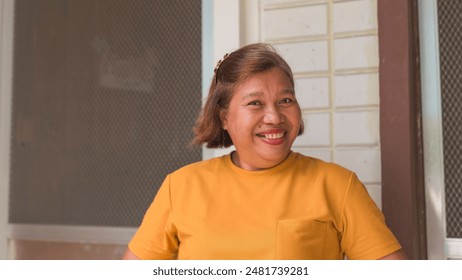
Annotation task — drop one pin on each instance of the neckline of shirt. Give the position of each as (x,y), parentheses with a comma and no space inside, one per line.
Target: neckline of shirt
(281,167)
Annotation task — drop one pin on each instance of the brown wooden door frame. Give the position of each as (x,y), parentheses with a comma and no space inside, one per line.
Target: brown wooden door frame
(403,195)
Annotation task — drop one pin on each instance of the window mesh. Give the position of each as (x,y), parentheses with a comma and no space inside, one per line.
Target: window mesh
(450,34)
(105,94)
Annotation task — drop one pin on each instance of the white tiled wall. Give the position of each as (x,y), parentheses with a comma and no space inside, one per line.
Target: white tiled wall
(332,47)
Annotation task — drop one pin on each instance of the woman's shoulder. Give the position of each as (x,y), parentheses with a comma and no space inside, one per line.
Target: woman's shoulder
(206,166)
(332,177)
(320,166)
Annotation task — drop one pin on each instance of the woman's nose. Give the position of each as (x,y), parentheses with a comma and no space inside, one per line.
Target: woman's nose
(273,115)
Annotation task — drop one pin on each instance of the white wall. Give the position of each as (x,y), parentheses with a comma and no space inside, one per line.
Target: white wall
(332,47)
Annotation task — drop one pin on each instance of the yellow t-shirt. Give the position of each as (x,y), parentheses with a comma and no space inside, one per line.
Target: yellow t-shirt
(303,208)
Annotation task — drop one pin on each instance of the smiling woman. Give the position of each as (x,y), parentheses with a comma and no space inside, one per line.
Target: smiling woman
(263,119)
(262,201)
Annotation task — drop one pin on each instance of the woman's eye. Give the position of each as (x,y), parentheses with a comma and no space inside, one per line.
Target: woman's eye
(286,101)
(254,103)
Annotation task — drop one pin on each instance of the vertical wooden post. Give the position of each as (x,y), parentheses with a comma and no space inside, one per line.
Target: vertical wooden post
(403,200)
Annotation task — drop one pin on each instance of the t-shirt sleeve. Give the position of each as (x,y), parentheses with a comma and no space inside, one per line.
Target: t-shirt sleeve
(156,237)
(365,234)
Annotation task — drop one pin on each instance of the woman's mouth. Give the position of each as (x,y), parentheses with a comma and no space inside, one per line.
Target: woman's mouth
(275,136)
(272,136)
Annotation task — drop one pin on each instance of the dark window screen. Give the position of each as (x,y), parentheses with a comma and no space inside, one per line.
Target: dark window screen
(105,94)
(450,34)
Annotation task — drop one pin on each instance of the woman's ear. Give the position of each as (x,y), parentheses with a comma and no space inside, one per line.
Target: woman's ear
(223,119)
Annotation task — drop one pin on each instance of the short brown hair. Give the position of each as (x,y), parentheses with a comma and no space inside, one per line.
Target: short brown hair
(229,74)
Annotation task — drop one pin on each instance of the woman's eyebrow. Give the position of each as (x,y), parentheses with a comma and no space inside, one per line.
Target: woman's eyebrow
(251,95)
(289,90)
(258,93)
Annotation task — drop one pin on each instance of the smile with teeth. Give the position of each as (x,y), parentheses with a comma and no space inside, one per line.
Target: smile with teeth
(272,136)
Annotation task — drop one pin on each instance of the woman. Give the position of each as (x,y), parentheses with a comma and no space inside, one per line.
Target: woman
(262,201)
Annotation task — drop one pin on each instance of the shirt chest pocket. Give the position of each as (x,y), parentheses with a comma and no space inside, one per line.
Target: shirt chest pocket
(307,240)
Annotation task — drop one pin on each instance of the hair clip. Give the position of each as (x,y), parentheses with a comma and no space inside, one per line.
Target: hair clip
(219,62)
(218,66)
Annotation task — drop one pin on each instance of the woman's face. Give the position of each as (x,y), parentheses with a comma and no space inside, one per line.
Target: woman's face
(263,120)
